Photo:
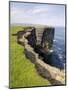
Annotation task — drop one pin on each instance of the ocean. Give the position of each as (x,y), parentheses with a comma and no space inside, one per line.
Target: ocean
(59,43)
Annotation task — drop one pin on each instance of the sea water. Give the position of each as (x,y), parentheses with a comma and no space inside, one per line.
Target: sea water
(59,43)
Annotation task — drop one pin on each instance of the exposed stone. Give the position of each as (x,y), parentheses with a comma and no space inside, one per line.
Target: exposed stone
(49,72)
(53,74)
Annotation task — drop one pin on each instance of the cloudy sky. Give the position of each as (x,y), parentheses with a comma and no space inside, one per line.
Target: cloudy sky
(34,13)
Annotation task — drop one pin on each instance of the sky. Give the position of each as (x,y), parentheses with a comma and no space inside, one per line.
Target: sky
(34,13)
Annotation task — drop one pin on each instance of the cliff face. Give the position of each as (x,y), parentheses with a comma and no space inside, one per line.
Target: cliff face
(42,37)
(41,40)
(33,38)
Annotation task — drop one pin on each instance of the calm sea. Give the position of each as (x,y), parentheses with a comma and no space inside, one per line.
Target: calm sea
(59,42)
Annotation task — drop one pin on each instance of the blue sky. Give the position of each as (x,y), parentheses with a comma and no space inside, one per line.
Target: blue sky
(34,13)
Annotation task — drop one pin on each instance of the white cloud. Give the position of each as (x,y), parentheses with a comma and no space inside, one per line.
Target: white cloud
(47,14)
(38,10)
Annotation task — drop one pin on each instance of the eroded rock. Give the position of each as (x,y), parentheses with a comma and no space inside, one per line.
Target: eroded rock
(53,74)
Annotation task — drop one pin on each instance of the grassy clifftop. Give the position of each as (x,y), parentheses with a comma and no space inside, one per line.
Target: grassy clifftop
(22,71)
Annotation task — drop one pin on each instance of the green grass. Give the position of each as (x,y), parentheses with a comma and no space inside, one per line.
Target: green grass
(22,71)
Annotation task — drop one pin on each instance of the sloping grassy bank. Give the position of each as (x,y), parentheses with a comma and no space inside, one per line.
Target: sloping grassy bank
(22,71)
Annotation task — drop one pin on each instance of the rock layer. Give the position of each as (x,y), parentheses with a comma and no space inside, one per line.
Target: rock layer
(53,74)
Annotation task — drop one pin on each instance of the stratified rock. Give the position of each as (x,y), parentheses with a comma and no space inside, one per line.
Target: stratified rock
(44,38)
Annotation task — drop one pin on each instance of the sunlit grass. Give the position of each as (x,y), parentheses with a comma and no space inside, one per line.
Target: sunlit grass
(22,71)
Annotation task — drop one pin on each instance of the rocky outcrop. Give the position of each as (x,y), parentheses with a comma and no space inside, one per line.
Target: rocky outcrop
(53,74)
